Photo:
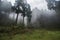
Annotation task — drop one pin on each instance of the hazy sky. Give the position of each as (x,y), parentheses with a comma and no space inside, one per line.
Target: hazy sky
(12,1)
(40,4)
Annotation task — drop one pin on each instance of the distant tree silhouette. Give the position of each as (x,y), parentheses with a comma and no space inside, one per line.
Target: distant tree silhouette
(29,14)
(5,9)
(0,6)
(55,5)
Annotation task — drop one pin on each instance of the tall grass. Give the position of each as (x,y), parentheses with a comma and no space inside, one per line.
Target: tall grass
(35,34)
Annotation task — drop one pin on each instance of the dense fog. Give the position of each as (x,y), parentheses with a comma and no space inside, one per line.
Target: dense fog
(44,12)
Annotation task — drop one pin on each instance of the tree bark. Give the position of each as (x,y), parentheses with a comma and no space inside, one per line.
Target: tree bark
(23,20)
(17,18)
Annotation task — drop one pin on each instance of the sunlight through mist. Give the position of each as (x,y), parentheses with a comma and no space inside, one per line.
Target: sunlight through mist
(12,1)
(40,4)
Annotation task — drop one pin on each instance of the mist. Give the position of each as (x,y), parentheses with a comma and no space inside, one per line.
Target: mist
(48,10)
(29,19)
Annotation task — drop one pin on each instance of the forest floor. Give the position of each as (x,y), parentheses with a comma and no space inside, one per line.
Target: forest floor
(36,34)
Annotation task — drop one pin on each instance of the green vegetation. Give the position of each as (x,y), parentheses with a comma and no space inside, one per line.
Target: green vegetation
(42,27)
(35,34)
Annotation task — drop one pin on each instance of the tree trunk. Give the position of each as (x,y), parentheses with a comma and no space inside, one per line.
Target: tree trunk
(0,6)
(17,18)
(23,20)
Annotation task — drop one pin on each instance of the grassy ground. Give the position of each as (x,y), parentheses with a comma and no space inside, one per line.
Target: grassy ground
(35,35)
